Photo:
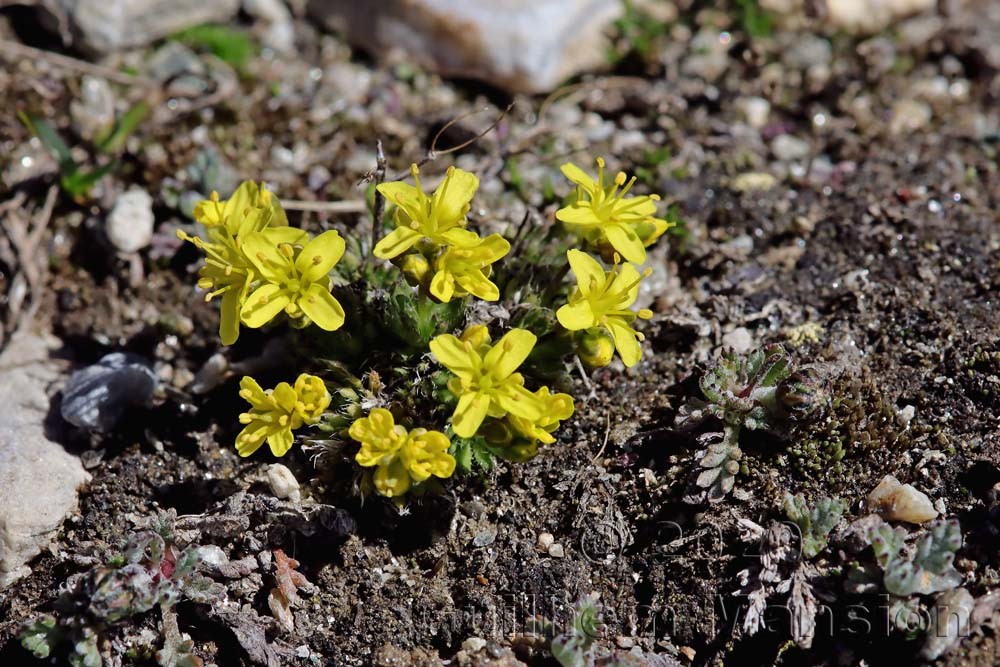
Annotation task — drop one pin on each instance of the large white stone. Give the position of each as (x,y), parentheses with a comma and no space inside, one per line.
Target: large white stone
(38,478)
(520,45)
(104,26)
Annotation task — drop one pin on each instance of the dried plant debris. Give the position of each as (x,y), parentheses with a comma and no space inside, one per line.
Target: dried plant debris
(284,596)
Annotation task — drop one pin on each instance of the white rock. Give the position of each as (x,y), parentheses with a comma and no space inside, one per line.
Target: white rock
(871,16)
(283,483)
(520,45)
(279,30)
(739,340)
(900,502)
(93,113)
(756,111)
(38,478)
(130,223)
(556,550)
(104,26)
(790,149)
(909,116)
(545,540)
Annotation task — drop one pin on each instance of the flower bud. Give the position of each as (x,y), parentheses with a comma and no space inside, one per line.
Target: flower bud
(802,393)
(477,335)
(596,347)
(414,267)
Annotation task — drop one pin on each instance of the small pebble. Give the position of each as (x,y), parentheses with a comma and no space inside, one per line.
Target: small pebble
(556,550)
(900,502)
(130,223)
(283,483)
(545,540)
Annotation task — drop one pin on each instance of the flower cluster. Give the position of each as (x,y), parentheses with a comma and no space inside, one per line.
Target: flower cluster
(260,266)
(275,413)
(486,382)
(263,268)
(400,457)
(617,226)
(431,243)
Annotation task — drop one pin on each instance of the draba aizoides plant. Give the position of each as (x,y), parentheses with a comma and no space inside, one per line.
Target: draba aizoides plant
(407,369)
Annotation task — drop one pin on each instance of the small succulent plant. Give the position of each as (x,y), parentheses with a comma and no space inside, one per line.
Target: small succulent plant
(927,568)
(759,390)
(155,572)
(814,524)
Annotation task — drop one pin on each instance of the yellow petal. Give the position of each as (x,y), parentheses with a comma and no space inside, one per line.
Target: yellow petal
(576,316)
(238,203)
(246,445)
(401,194)
(272,264)
(229,322)
(470,413)
(460,237)
(289,235)
(443,286)
(451,353)
(392,480)
(263,305)
(578,214)
(520,402)
(509,352)
(284,396)
(396,243)
(578,176)
(251,392)
(475,283)
(280,441)
(624,239)
(493,247)
(319,256)
(451,199)
(628,277)
(321,307)
(625,342)
(589,273)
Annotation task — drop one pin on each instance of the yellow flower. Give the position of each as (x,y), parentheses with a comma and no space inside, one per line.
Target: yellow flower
(275,413)
(227,271)
(401,457)
(466,270)
(555,408)
(485,381)
(602,299)
(295,281)
(607,215)
(439,218)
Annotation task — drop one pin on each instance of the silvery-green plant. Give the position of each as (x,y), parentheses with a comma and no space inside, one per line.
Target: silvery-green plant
(154,572)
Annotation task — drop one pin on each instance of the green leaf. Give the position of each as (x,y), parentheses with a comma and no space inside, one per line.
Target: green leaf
(125,126)
(78,183)
(49,138)
(231,45)
(41,636)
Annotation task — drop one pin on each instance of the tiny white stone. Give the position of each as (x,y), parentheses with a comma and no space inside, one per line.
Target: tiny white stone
(130,223)
(283,483)
(545,540)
